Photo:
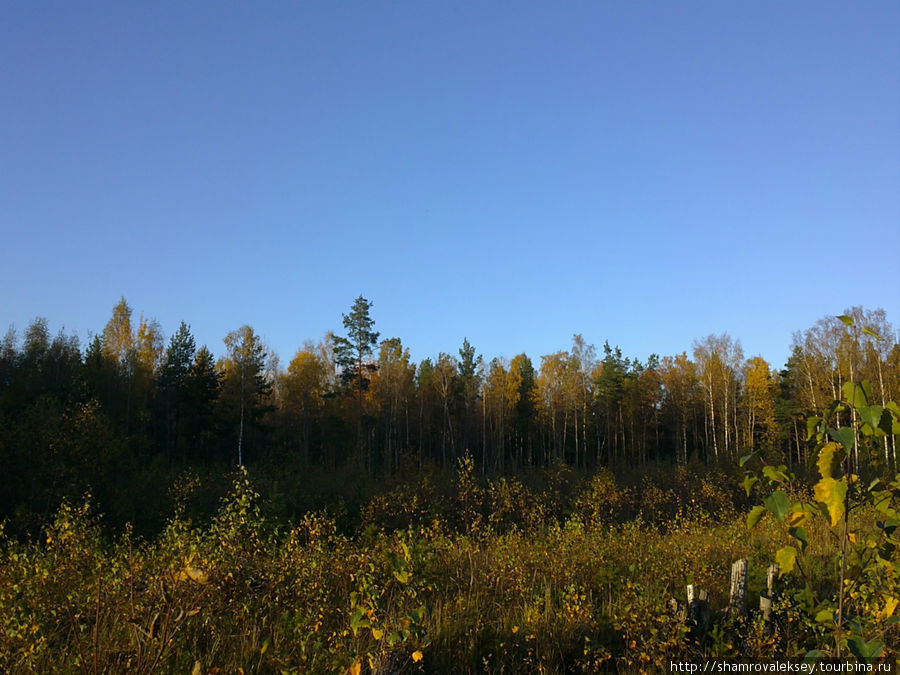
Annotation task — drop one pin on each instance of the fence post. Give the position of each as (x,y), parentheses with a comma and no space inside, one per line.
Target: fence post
(737,605)
(698,611)
(765,601)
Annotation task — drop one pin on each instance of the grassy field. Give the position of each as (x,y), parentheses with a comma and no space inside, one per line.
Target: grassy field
(447,573)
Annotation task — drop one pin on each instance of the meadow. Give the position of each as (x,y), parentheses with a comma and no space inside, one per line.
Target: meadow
(167,512)
(551,571)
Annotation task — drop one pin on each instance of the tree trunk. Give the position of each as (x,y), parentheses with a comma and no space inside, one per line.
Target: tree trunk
(712,419)
(241,428)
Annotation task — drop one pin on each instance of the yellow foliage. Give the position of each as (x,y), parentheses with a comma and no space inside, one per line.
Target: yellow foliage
(786,558)
(890,604)
(831,493)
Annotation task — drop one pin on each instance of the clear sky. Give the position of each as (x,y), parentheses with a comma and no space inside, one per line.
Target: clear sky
(640,172)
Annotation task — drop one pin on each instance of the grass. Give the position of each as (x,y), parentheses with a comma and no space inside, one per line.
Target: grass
(444,576)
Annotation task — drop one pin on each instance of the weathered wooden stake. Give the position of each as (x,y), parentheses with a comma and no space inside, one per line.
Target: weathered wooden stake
(765,601)
(698,611)
(738,604)
(765,608)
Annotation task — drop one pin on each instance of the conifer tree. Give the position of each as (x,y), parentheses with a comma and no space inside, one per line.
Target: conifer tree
(353,354)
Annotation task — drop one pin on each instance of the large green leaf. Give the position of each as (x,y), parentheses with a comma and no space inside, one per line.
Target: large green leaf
(870,414)
(778,504)
(753,517)
(865,651)
(886,422)
(845,436)
(858,395)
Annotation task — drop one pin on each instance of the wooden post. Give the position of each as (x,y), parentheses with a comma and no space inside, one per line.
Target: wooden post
(737,606)
(771,575)
(765,608)
(765,601)
(698,611)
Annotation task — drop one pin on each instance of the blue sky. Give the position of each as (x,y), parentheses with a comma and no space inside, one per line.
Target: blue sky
(645,172)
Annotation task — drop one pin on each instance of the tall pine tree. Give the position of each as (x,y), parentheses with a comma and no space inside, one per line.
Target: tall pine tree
(353,354)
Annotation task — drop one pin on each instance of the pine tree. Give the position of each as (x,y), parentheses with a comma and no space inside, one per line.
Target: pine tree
(172,392)
(470,385)
(353,355)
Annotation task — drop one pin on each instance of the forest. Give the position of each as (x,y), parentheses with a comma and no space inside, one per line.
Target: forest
(171,509)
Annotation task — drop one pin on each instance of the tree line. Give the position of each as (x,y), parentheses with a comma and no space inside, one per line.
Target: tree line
(129,405)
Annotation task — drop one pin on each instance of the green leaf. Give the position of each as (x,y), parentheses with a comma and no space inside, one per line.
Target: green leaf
(835,407)
(825,616)
(832,493)
(870,414)
(858,395)
(845,436)
(749,482)
(848,320)
(812,425)
(778,504)
(889,525)
(753,517)
(785,558)
(869,331)
(417,616)
(800,535)
(830,456)
(358,620)
(775,474)
(814,654)
(746,458)
(865,651)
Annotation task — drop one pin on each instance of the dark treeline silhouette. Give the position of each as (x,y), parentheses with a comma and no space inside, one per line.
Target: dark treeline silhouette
(126,414)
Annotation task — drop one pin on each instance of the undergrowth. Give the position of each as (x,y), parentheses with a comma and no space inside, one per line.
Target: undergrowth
(465,575)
